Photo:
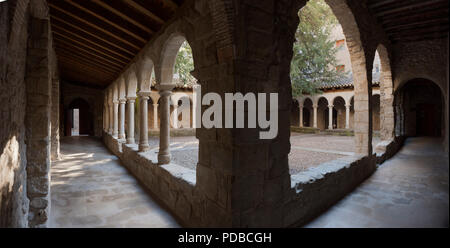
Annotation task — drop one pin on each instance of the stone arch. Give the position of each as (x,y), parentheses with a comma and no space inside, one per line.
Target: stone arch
(144,68)
(376,112)
(386,112)
(322,110)
(131,81)
(295,112)
(121,88)
(86,125)
(340,118)
(168,56)
(420,109)
(308,112)
(359,51)
(307,98)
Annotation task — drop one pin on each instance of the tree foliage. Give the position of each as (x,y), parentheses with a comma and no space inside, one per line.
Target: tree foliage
(184,64)
(314,59)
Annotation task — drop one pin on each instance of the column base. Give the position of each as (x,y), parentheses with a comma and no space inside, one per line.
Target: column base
(164,158)
(130,141)
(121,136)
(144,147)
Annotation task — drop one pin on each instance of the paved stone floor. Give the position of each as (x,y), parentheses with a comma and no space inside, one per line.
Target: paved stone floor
(409,190)
(90,188)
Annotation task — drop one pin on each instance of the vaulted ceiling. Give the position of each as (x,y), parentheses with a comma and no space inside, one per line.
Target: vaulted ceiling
(411,20)
(96,39)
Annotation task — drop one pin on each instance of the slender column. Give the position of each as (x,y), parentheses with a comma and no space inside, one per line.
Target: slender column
(122,118)
(315,115)
(130,116)
(175,116)
(116,118)
(106,117)
(164,130)
(301,116)
(155,116)
(330,117)
(347,116)
(143,132)
(111,118)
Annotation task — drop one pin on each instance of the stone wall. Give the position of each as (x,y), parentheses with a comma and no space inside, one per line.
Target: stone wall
(13,45)
(28,63)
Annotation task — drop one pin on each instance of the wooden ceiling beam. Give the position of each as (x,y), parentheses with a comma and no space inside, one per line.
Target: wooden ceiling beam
(89,56)
(417,23)
(79,76)
(98,16)
(122,15)
(405,7)
(144,11)
(67,34)
(69,41)
(83,70)
(380,3)
(95,62)
(94,26)
(89,33)
(74,49)
(85,65)
(413,16)
(419,33)
(172,5)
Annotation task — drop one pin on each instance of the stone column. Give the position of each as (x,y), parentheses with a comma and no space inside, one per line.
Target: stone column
(175,115)
(143,119)
(116,118)
(155,116)
(347,116)
(122,118)
(315,115)
(330,117)
(300,119)
(196,99)
(111,118)
(130,116)
(164,131)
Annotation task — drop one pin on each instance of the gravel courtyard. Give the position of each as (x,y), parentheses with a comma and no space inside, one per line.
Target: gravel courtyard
(307,150)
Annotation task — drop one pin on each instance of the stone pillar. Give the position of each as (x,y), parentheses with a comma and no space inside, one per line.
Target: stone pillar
(122,118)
(55,146)
(300,118)
(130,116)
(111,118)
(143,119)
(164,130)
(315,115)
(347,116)
(116,118)
(175,115)
(155,116)
(196,99)
(330,117)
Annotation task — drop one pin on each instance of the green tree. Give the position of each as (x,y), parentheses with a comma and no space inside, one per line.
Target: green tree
(184,64)
(314,60)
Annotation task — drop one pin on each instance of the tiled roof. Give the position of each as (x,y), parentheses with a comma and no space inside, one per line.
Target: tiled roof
(348,82)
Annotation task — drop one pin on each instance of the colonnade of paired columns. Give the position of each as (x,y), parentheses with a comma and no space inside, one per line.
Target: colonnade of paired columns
(330,116)
(115,115)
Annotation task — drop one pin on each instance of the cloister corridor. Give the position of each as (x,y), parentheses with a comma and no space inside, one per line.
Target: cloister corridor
(90,188)
(408,190)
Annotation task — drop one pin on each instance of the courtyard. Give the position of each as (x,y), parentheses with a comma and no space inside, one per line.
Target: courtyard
(307,150)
